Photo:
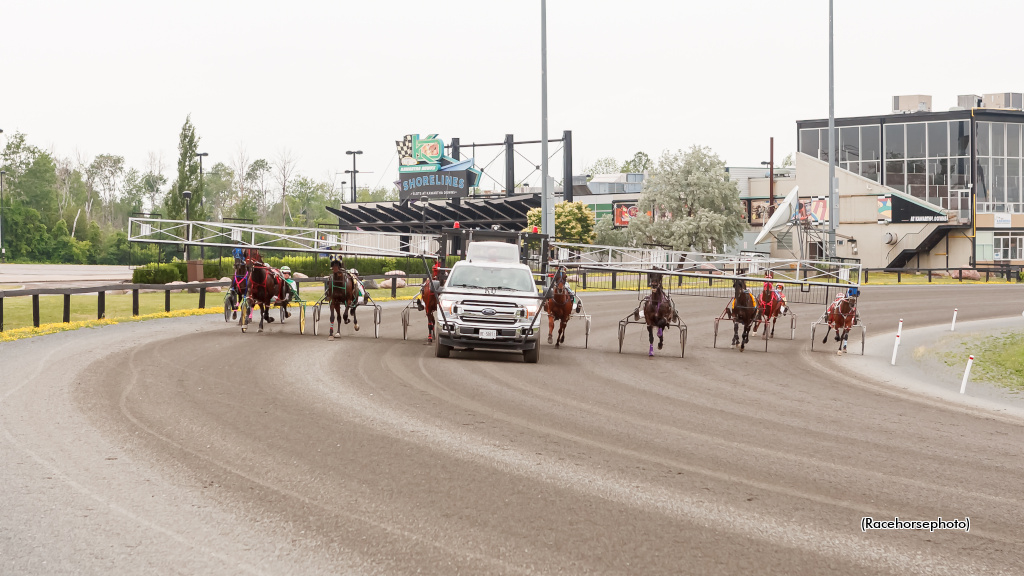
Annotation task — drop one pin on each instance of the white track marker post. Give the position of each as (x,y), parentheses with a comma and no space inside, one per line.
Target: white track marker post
(953,326)
(897,345)
(967,372)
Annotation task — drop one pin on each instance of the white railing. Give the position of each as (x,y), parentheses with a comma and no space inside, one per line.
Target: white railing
(679,262)
(283,238)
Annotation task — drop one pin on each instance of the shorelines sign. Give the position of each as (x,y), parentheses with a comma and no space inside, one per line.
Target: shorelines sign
(425,170)
(446,184)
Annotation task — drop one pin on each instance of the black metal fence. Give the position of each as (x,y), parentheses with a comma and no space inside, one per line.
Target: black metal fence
(101,294)
(1008,273)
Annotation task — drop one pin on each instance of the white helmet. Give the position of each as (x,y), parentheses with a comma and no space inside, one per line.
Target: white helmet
(286,270)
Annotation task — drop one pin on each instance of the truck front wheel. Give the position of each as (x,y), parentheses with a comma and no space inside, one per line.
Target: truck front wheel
(440,350)
(533,355)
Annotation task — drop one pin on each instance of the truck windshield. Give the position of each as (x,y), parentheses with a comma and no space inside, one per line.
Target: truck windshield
(492,277)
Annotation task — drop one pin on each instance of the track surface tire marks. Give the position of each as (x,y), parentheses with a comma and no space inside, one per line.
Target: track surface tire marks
(372,456)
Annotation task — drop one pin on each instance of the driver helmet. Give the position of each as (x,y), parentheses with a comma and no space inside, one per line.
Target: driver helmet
(286,270)
(854,291)
(779,287)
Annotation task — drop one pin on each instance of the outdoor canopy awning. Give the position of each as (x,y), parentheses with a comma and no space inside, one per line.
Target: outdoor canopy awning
(417,217)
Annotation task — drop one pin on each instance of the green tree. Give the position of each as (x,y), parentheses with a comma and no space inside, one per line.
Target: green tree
(257,179)
(606,165)
(574,222)
(37,187)
(608,235)
(787,162)
(18,155)
(218,187)
(382,194)
(25,236)
(108,170)
(639,164)
(693,203)
(187,179)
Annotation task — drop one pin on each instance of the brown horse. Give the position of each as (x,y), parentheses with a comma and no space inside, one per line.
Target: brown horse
(659,312)
(559,306)
(265,284)
(744,311)
(343,292)
(841,316)
(428,300)
(771,306)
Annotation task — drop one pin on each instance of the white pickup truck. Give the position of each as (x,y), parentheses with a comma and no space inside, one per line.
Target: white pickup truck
(489,301)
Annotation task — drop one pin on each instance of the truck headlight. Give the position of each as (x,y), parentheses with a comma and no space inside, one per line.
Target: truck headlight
(529,311)
(448,306)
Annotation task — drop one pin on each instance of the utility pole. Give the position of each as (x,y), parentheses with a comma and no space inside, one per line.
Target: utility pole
(547,200)
(833,200)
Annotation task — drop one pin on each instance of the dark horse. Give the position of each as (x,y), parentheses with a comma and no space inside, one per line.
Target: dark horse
(658,311)
(428,300)
(744,311)
(771,305)
(265,284)
(841,316)
(342,291)
(559,306)
(239,287)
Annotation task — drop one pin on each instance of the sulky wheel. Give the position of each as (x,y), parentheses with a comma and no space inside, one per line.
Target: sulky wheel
(376,322)
(316,320)
(245,310)
(227,307)
(405,323)
(682,342)
(302,319)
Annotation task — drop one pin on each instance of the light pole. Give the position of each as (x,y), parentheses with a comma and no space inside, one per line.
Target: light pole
(353,171)
(202,195)
(187,195)
(833,200)
(547,200)
(424,200)
(3,251)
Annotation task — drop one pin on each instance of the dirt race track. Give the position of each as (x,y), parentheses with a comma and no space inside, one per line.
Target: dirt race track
(186,447)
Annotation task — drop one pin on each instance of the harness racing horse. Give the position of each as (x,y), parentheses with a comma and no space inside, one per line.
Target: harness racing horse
(744,311)
(428,300)
(658,312)
(265,283)
(841,316)
(559,306)
(770,304)
(342,291)
(239,287)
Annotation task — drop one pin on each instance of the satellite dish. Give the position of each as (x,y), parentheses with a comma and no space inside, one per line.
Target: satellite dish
(782,214)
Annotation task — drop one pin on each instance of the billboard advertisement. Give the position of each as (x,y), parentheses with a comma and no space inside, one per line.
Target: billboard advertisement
(425,170)
(625,212)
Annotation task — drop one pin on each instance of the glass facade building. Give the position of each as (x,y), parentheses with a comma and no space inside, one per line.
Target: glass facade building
(939,157)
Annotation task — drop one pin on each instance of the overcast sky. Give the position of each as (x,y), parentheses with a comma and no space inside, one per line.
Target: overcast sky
(319,78)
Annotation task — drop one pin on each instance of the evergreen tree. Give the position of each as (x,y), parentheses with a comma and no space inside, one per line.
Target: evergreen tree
(187,179)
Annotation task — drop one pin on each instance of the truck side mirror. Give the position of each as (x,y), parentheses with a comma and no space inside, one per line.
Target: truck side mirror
(435,286)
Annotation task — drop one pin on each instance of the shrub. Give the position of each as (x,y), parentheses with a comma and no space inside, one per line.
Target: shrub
(156,274)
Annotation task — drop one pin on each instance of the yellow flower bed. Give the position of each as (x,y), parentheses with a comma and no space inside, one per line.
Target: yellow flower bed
(30,331)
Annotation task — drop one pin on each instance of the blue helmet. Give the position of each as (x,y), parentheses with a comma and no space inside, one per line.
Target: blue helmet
(854,291)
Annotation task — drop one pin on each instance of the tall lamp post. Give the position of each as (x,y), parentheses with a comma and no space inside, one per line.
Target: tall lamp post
(3,251)
(353,171)
(202,195)
(187,195)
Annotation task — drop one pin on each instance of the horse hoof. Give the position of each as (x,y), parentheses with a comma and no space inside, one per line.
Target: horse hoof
(556,344)
(260,330)
(550,340)
(234,315)
(840,353)
(357,327)
(660,344)
(346,320)
(330,338)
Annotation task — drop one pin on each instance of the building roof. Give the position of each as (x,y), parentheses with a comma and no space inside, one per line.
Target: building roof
(508,213)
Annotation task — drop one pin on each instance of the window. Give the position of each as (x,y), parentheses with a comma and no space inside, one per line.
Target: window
(998,139)
(809,142)
(894,148)
(895,174)
(916,141)
(849,144)
(1013,181)
(983,130)
(870,143)
(1007,246)
(938,138)
(960,138)
(1013,140)
(960,172)
(869,170)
